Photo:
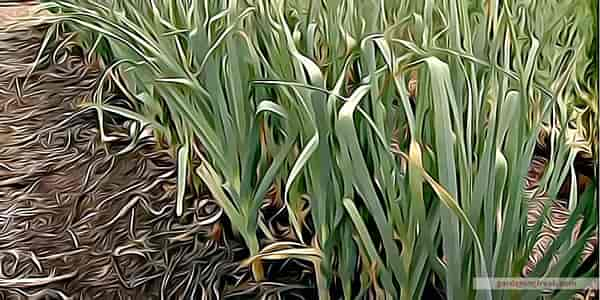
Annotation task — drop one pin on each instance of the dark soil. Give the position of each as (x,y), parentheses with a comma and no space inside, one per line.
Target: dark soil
(82,219)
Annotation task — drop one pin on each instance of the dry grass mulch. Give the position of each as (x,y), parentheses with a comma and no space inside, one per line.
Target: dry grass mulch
(82,219)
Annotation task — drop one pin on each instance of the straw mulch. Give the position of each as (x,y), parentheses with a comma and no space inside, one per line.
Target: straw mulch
(83,219)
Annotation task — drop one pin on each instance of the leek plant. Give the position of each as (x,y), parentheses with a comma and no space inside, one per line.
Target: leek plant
(383,193)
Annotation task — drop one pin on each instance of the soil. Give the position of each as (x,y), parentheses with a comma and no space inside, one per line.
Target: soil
(83,219)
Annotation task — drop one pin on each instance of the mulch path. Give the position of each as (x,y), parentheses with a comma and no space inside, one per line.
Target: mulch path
(82,219)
